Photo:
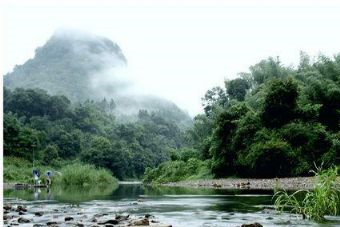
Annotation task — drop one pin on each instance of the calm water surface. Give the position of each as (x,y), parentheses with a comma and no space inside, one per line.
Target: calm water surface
(179,207)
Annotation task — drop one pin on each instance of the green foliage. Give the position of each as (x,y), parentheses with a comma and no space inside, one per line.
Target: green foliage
(322,200)
(78,174)
(85,131)
(173,171)
(280,103)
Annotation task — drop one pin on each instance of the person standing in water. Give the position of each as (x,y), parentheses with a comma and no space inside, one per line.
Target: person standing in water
(36,175)
(48,178)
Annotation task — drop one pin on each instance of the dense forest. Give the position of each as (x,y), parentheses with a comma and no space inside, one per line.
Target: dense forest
(274,121)
(51,130)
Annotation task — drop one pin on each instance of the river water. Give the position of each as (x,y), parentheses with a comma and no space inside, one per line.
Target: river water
(180,207)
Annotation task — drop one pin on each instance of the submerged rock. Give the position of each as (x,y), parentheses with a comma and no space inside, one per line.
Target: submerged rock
(51,223)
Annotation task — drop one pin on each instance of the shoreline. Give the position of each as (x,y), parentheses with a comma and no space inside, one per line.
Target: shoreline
(291,183)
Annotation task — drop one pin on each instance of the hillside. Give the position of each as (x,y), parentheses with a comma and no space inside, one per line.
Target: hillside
(82,66)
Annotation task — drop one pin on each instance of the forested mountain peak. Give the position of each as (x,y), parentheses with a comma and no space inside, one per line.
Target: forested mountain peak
(84,66)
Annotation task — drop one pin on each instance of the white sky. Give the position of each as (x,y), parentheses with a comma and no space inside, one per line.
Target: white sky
(178,50)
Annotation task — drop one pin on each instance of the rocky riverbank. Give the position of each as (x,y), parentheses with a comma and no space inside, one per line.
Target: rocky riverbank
(295,183)
(38,216)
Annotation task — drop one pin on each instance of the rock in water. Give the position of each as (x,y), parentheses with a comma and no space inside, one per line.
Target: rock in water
(141,222)
(21,208)
(110,221)
(69,218)
(23,220)
(39,213)
(252,225)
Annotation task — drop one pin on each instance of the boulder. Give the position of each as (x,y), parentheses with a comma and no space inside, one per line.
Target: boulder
(51,223)
(252,225)
(23,220)
(69,218)
(140,222)
(39,213)
(7,207)
(109,221)
(122,217)
(21,208)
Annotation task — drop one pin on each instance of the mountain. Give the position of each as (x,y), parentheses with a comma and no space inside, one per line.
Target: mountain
(83,66)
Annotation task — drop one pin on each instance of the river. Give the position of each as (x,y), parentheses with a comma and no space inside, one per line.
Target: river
(179,207)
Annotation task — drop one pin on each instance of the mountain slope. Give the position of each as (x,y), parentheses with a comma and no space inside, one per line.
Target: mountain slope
(82,66)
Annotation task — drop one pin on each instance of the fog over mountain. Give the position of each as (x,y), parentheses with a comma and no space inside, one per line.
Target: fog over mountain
(83,66)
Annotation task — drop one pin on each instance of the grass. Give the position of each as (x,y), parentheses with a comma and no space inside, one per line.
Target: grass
(18,170)
(313,204)
(78,174)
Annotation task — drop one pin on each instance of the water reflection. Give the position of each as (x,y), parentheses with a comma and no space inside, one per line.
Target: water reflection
(70,194)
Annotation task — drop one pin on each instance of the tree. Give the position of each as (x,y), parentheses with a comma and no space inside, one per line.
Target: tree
(280,103)
(237,88)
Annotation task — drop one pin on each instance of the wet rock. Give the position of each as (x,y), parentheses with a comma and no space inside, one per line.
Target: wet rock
(39,225)
(141,222)
(94,220)
(6,211)
(109,225)
(21,208)
(109,221)
(39,213)
(154,221)
(80,224)
(52,223)
(21,213)
(7,217)
(140,200)
(69,218)
(23,220)
(7,207)
(122,217)
(147,215)
(252,225)
(269,218)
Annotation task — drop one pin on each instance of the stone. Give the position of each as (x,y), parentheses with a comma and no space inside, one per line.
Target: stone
(109,221)
(39,225)
(141,222)
(147,215)
(7,207)
(69,218)
(80,224)
(21,208)
(122,217)
(7,217)
(21,213)
(39,213)
(23,220)
(50,223)
(252,225)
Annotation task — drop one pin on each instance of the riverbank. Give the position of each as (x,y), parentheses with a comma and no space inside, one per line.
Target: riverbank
(294,183)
